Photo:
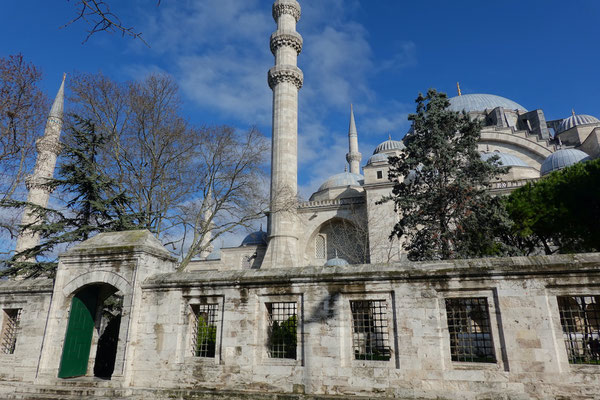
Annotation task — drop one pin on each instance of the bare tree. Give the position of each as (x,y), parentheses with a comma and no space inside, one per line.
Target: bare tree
(231,187)
(23,108)
(99,17)
(169,167)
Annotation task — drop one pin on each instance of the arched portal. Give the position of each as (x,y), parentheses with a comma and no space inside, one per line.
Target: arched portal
(343,238)
(92,335)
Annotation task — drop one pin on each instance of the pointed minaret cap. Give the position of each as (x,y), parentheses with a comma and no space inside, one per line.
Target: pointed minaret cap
(57,107)
(352,129)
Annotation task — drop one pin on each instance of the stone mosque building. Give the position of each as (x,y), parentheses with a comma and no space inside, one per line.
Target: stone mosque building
(322,305)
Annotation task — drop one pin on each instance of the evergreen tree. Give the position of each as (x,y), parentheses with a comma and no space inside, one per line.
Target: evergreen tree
(560,212)
(92,205)
(440,190)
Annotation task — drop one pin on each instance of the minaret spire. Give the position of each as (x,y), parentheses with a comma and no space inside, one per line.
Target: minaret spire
(285,79)
(353,156)
(206,245)
(48,147)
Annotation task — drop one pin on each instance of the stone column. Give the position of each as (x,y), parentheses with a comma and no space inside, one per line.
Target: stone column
(353,156)
(285,79)
(48,147)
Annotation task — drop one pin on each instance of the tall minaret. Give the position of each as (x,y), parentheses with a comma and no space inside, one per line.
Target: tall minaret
(285,79)
(353,156)
(207,246)
(48,147)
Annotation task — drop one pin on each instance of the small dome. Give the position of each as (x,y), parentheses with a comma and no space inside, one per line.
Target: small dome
(258,238)
(336,262)
(576,120)
(379,157)
(343,179)
(562,159)
(481,102)
(505,159)
(389,145)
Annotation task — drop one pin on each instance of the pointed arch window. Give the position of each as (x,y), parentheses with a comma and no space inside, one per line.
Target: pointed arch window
(320,247)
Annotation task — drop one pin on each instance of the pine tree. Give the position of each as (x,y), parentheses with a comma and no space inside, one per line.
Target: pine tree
(560,212)
(440,190)
(93,204)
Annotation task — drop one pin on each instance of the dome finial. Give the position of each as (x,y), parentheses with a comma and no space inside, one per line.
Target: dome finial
(389,136)
(573,111)
(458,88)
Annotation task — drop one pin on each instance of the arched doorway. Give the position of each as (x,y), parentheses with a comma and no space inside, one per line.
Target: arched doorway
(342,238)
(92,329)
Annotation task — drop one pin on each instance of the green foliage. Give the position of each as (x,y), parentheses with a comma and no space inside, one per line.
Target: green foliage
(560,212)
(440,190)
(283,338)
(206,338)
(92,204)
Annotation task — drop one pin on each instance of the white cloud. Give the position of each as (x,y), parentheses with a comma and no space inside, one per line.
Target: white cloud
(218,51)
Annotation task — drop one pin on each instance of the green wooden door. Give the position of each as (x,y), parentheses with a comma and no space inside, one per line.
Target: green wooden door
(78,340)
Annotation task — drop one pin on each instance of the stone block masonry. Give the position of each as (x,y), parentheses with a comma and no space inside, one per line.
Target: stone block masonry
(505,328)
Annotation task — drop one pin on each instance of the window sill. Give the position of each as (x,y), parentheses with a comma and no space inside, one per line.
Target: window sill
(282,362)
(373,363)
(465,365)
(585,368)
(201,360)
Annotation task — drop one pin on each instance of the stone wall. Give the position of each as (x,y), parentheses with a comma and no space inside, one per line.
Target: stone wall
(520,292)
(525,351)
(32,298)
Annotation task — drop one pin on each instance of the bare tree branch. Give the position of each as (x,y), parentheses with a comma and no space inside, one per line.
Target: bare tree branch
(98,16)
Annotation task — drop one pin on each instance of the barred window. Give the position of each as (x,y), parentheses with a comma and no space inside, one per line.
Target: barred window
(580,320)
(10,329)
(320,247)
(282,330)
(370,337)
(469,328)
(204,334)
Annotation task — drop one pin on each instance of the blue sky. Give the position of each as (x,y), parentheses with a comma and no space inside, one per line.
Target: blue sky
(377,54)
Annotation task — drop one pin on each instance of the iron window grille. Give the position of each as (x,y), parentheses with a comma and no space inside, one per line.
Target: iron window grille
(282,339)
(10,329)
(469,327)
(204,334)
(580,320)
(370,337)
(320,247)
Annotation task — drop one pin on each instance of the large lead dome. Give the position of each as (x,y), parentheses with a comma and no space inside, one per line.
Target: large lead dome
(481,102)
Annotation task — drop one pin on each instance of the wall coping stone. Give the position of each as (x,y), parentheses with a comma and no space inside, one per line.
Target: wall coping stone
(564,264)
(125,242)
(40,285)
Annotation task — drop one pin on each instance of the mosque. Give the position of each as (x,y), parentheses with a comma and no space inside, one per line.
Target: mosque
(341,223)
(322,306)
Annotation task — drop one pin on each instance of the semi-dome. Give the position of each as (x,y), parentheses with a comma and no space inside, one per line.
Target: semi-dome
(336,262)
(389,145)
(481,102)
(257,238)
(343,179)
(505,159)
(561,159)
(576,120)
(379,157)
